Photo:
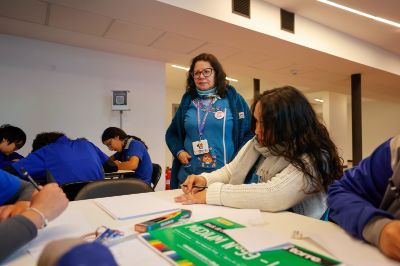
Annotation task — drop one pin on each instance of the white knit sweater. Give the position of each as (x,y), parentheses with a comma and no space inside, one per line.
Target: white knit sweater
(283,191)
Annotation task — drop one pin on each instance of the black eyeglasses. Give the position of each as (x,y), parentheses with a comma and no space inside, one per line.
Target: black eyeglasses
(206,73)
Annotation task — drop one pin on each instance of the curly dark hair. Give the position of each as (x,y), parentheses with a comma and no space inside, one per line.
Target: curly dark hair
(220,75)
(291,129)
(45,138)
(112,132)
(13,135)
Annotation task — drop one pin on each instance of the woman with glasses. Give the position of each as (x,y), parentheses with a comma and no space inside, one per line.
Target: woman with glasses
(292,161)
(11,139)
(211,124)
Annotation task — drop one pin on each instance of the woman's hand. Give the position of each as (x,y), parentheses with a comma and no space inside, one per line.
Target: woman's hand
(197,198)
(184,157)
(194,184)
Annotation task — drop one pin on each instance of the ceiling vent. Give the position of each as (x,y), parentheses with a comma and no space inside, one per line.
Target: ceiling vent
(241,7)
(287,21)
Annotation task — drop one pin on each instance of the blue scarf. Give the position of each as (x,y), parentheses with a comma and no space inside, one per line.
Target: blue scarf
(206,93)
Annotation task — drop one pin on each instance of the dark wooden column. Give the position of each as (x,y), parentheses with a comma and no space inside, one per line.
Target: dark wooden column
(356,116)
(256,88)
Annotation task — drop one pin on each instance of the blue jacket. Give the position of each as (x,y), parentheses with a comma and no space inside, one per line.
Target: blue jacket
(67,160)
(7,160)
(175,135)
(355,199)
(9,186)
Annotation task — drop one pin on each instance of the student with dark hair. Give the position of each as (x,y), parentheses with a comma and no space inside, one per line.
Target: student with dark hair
(11,139)
(366,201)
(131,153)
(67,160)
(291,161)
(211,124)
(22,213)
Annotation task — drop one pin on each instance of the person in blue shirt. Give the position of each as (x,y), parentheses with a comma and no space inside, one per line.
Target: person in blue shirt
(211,124)
(11,139)
(23,211)
(366,201)
(67,160)
(131,153)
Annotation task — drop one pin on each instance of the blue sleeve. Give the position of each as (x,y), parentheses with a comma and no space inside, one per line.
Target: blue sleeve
(103,157)
(136,148)
(8,160)
(9,186)
(245,123)
(354,200)
(175,135)
(34,164)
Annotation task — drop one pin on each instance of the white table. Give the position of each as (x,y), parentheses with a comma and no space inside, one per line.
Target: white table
(347,249)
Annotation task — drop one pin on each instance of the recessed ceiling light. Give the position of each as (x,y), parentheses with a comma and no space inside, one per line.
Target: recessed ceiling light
(360,13)
(318,100)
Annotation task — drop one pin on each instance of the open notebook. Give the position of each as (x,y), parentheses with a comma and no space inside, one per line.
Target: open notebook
(135,205)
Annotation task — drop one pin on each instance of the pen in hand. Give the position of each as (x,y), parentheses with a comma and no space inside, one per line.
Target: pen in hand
(195,188)
(30,179)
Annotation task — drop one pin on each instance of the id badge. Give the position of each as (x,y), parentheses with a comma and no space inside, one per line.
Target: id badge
(200,147)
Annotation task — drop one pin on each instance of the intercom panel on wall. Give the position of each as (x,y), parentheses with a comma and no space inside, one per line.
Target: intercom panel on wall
(120,101)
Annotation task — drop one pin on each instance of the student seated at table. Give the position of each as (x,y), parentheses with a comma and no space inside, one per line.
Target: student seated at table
(21,214)
(131,153)
(288,165)
(67,160)
(366,201)
(11,139)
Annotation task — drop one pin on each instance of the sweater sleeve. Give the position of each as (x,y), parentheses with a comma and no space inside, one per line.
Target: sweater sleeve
(14,233)
(281,192)
(355,199)
(174,135)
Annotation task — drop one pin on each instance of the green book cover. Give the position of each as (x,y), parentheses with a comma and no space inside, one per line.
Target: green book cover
(205,243)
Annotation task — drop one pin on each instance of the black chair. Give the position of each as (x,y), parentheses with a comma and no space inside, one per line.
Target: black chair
(72,189)
(116,187)
(155,175)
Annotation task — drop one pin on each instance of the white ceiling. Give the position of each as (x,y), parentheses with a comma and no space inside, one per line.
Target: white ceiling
(153,30)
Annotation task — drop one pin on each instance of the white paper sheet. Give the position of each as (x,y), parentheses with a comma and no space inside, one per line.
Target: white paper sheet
(257,238)
(135,205)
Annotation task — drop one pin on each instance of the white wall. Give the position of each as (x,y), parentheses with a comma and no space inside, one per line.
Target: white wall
(380,121)
(51,87)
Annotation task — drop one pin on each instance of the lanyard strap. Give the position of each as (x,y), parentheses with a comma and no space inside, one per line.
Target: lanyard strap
(201,125)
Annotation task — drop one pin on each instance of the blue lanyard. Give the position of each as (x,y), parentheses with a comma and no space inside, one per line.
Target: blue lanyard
(200,126)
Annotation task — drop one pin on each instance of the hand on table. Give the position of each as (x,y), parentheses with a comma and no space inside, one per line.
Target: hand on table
(194,188)
(10,210)
(389,241)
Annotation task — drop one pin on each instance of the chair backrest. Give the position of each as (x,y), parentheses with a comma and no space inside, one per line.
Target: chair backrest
(156,174)
(109,188)
(72,189)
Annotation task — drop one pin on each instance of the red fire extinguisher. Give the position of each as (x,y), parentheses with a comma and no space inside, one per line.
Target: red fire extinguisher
(167,178)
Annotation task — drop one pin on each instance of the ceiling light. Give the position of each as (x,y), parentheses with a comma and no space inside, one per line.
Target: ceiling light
(318,100)
(360,13)
(187,69)
(181,67)
(231,79)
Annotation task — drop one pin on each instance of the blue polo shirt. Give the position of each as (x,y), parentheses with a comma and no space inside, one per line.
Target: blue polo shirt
(9,186)
(137,148)
(67,160)
(6,160)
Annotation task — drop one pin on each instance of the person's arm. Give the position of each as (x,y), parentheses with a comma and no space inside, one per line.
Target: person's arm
(14,233)
(174,134)
(132,164)
(135,153)
(354,200)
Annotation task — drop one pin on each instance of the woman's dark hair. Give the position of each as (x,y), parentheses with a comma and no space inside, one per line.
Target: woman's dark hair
(291,129)
(13,135)
(220,75)
(45,138)
(113,132)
